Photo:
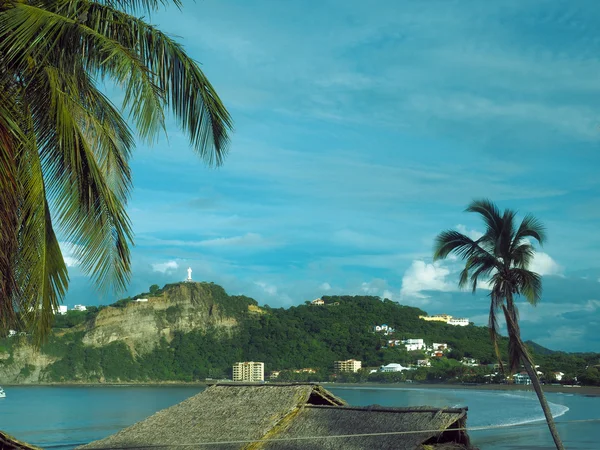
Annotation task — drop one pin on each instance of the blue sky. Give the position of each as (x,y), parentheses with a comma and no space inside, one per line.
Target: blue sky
(361,131)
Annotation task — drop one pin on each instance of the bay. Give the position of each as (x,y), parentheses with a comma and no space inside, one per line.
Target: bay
(63,417)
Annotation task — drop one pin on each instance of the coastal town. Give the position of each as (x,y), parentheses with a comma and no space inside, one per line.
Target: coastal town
(423,354)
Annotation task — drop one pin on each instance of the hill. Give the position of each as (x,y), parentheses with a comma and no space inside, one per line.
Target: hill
(193,331)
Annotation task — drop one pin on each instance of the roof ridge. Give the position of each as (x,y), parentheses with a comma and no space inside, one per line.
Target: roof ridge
(406,409)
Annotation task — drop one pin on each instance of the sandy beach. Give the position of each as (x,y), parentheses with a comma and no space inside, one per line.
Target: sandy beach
(582,390)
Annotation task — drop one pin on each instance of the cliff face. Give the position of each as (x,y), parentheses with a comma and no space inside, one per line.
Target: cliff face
(181,307)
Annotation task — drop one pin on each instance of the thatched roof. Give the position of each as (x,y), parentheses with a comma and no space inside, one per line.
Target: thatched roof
(273,416)
(7,442)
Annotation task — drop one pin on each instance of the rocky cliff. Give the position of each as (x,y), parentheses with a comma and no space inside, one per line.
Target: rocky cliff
(180,307)
(140,325)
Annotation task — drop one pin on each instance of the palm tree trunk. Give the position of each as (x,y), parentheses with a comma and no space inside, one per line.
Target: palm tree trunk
(535,381)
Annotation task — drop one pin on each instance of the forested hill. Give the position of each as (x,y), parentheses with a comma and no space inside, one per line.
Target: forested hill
(193,331)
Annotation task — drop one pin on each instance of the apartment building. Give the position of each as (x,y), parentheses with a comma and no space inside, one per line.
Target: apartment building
(350,365)
(249,371)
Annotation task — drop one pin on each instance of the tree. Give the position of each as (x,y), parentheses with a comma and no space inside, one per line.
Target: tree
(65,148)
(154,288)
(502,257)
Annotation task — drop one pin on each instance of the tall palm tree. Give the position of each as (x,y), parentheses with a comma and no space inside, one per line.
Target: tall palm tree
(65,148)
(502,257)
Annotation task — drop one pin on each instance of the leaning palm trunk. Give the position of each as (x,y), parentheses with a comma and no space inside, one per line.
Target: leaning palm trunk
(519,351)
(535,381)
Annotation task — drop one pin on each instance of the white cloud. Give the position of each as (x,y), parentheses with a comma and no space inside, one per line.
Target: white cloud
(165,267)
(473,234)
(388,294)
(421,276)
(325,287)
(245,240)
(68,250)
(373,287)
(543,264)
(268,288)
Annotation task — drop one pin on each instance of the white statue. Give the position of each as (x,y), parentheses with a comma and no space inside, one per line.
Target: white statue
(189,270)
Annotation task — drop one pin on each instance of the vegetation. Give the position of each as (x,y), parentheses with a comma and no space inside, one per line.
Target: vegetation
(502,256)
(65,148)
(290,341)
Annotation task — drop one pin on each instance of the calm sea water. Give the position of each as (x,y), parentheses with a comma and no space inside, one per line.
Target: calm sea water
(64,417)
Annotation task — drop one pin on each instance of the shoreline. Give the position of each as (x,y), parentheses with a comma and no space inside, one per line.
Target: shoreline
(593,391)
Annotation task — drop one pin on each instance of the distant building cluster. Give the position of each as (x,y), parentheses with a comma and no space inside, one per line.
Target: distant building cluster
(456,321)
(249,371)
(383,329)
(350,365)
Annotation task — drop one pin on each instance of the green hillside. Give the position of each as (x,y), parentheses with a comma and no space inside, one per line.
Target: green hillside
(236,329)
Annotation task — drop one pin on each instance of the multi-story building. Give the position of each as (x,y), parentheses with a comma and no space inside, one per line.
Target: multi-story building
(350,365)
(249,371)
(79,308)
(414,344)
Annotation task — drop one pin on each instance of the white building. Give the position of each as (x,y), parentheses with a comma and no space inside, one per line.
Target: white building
(385,329)
(141,300)
(521,378)
(350,365)
(317,302)
(559,376)
(394,342)
(471,362)
(414,344)
(393,367)
(62,310)
(79,308)
(460,322)
(249,371)
(439,346)
(423,363)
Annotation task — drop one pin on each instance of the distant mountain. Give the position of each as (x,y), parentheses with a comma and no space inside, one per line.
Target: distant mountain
(540,350)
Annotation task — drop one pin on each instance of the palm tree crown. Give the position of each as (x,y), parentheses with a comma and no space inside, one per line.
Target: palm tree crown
(65,148)
(501,257)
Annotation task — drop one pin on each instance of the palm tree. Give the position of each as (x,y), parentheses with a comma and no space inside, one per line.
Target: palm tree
(502,257)
(65,148)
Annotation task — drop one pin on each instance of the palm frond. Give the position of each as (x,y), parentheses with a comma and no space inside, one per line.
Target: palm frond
(88,211)
(530,227)
(451,241)
(528,284)
(41,272)
(490,215)
(191,97)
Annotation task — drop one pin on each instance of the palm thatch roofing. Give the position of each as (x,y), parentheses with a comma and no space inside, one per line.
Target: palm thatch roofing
(289,416)
(7,442)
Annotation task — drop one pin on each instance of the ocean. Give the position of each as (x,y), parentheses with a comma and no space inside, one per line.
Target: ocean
(61,417)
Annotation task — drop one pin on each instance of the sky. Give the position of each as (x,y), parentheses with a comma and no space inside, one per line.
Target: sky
(362,130)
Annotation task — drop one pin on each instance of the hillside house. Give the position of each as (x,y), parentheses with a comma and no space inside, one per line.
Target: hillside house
(423,363)
(439,346)
(384,329)
(414,344)
(79,308)
(317,302)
